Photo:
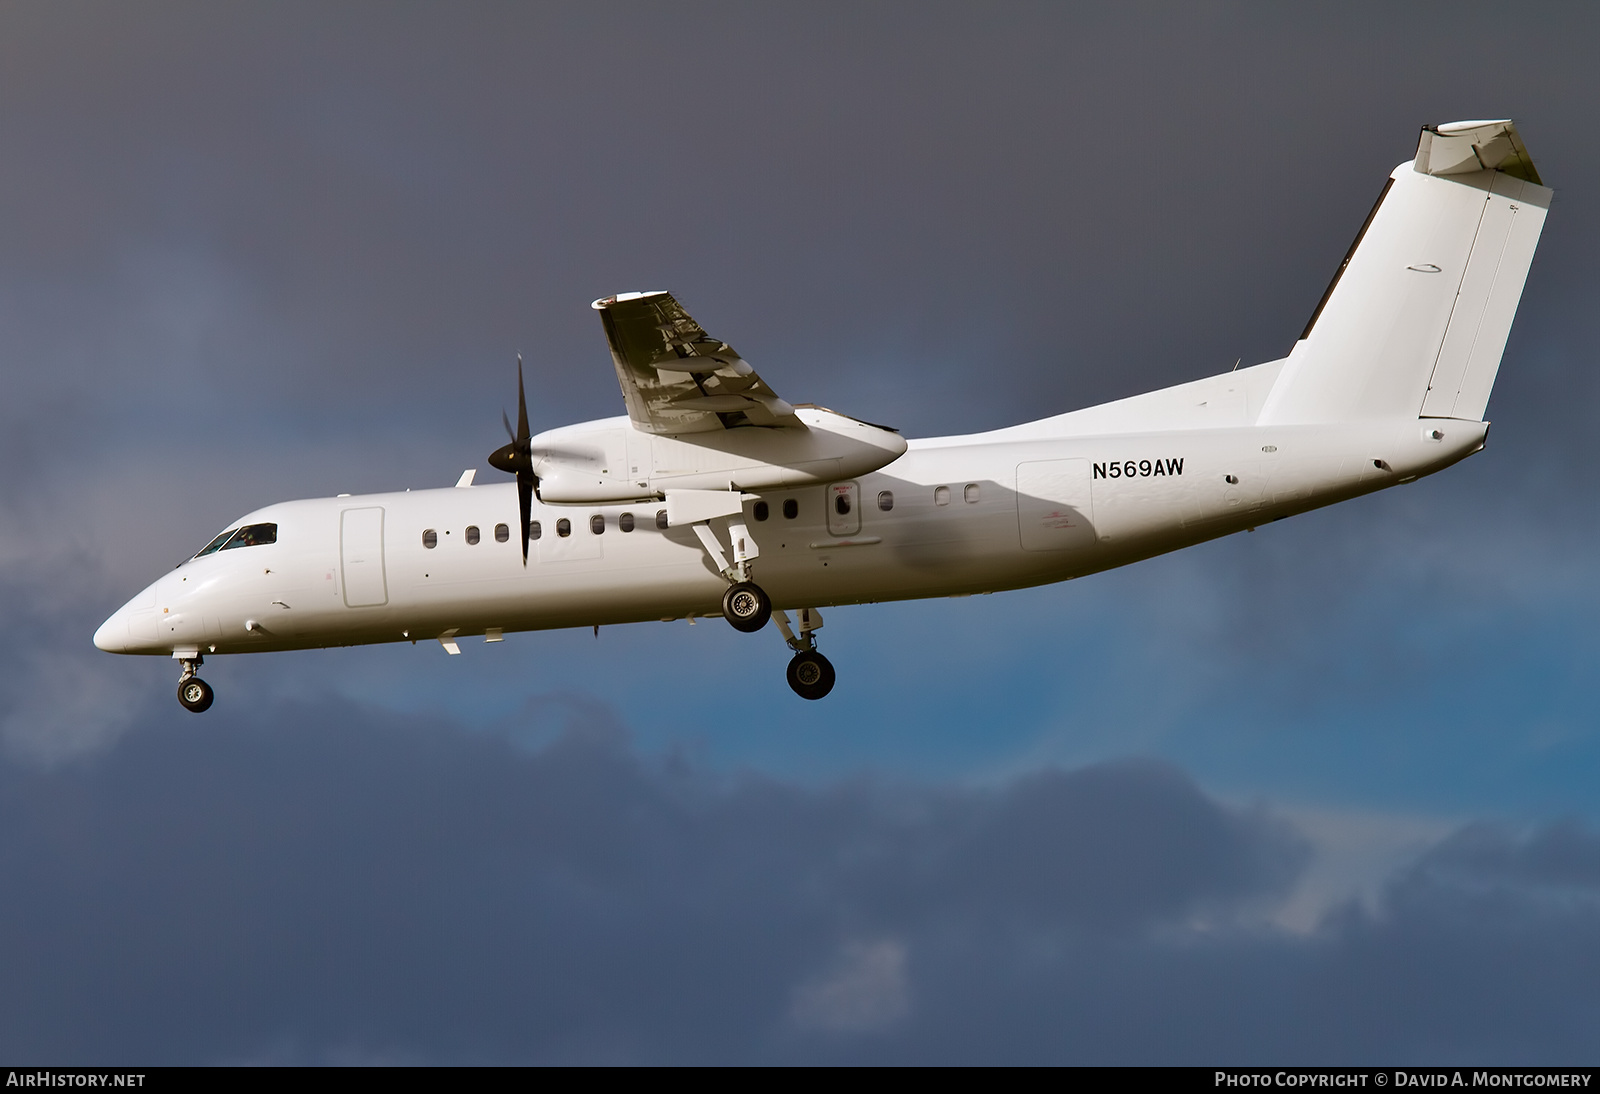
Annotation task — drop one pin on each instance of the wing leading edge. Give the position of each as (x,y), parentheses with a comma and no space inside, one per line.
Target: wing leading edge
(678,379)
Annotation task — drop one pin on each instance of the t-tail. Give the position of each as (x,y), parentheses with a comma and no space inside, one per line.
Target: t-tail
(1417,316)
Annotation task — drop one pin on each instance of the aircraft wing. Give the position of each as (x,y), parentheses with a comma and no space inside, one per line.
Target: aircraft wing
(676,378)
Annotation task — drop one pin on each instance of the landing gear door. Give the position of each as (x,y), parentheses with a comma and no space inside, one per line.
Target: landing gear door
(844,509)
(361,557)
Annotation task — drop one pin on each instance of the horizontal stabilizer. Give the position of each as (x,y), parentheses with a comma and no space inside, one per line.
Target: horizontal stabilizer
(1459,148)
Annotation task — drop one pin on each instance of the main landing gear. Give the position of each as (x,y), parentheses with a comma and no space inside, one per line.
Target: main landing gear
(810,674)
(194,693)
(746,606)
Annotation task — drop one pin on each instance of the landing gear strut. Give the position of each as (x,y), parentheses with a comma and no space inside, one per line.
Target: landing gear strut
(194,693)
(745,605)
(810,674)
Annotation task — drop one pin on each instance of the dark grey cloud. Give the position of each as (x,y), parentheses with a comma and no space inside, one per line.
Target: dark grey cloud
(305,882)
(358,204)
(322,883)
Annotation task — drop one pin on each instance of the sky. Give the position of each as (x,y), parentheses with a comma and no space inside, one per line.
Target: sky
(1319,794)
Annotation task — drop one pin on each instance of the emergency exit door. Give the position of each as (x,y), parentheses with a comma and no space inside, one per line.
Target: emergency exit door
(844,512)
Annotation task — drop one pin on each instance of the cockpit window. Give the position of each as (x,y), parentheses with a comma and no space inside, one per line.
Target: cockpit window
(251,535)
(216,544)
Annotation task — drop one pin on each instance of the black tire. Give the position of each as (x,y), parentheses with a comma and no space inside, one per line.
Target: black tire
(746,606)
(195,695)
(810,675)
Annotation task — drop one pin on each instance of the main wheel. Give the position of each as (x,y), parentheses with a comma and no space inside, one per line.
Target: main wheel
(746,606)
(810,675)
(195,694)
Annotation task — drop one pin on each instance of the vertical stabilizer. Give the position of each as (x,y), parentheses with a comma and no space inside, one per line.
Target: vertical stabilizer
(1417,316)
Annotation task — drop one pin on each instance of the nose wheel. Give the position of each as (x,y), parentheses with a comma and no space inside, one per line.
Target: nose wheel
(194,693)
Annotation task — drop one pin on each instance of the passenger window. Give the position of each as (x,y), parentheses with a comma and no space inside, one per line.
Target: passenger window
(472,534)
(971,493)
(625,522)
(941,496)
(430,538)
(216,544)
(760,511)
(886,500)
(563,527)
(501,533)
(841,504)
(791,508)
(597,524)
(661,519)
(535,531)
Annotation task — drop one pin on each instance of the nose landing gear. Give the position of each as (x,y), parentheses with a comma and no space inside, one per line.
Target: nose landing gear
(810,674)
(194,693)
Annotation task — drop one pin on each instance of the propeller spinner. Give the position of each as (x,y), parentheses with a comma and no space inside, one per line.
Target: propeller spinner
(516,459)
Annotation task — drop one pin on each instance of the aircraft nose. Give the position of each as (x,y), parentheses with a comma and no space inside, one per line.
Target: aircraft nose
(113,634)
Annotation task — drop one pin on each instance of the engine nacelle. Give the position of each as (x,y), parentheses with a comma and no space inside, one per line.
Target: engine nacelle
(610,461)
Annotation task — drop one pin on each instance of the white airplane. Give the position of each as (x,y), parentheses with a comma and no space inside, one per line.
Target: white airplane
(715,496)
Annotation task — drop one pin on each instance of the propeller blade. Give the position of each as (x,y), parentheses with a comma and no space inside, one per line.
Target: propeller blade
(523,436)
(516,459)
(525,501)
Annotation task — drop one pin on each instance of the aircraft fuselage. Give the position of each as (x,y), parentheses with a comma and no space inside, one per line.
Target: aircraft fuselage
(953,516)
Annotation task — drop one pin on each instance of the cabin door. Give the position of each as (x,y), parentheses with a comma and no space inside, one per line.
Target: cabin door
(1054,510)
(361,557)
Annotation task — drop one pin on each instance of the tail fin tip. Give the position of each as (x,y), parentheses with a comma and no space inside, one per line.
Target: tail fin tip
(1458,148)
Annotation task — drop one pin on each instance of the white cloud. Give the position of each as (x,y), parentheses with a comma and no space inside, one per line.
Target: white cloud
(65,707)
(1353,854)
(864,990)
